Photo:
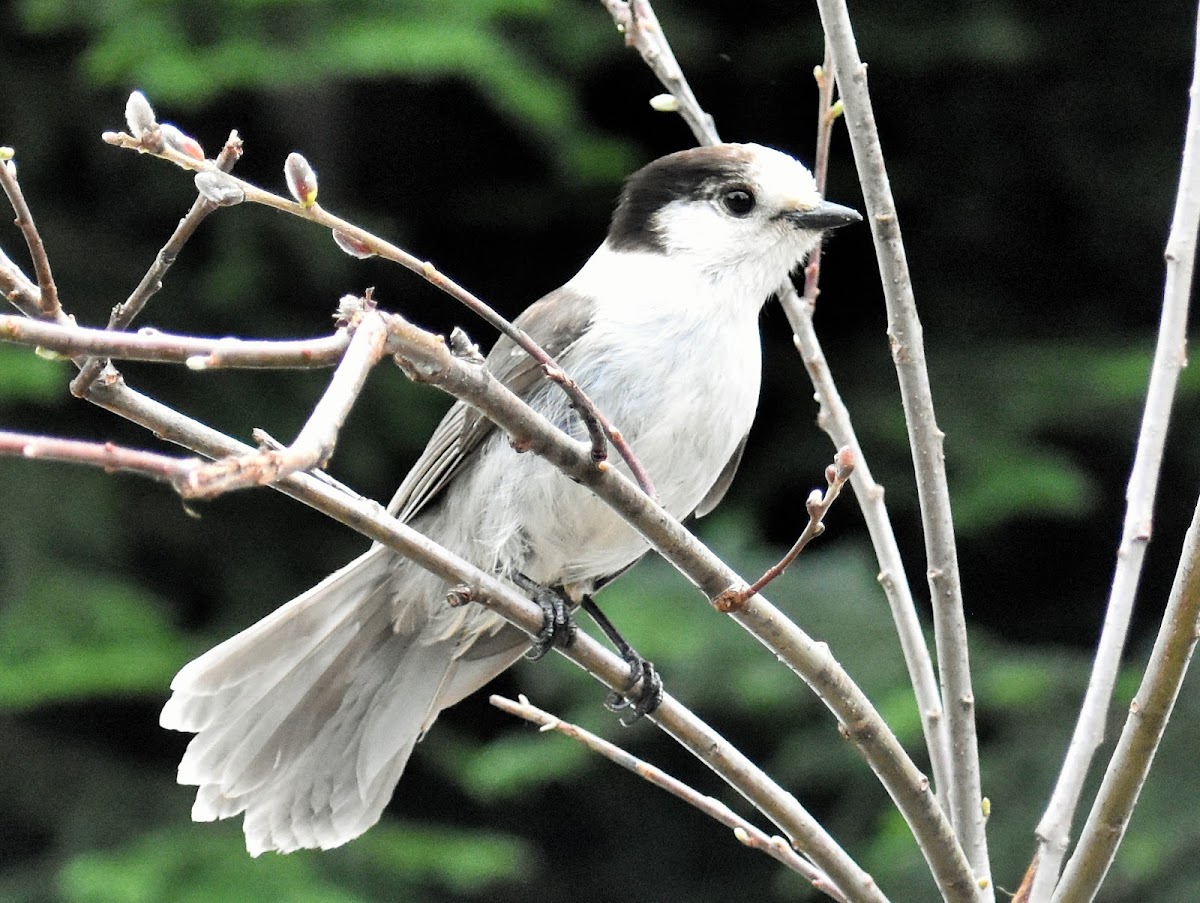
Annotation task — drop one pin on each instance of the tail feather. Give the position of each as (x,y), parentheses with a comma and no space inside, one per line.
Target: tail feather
(230,677)
(305,721)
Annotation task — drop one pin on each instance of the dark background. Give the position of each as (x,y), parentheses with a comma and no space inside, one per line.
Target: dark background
(1033,151)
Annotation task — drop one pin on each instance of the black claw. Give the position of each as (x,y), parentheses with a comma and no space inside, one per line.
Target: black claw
(644,675)
(558,627)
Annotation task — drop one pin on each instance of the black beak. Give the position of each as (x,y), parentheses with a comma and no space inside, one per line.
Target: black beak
(826,215)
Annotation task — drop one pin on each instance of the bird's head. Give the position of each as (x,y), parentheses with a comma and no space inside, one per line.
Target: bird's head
(735,211)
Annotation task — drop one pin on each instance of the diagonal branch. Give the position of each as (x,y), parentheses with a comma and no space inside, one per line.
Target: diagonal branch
(775,847)
(314,445)
(1170,356)
(47,301)
(427,358)
(125,313)
(1148,715)
(360,242)
(904,332)
(834,418)
(817,505)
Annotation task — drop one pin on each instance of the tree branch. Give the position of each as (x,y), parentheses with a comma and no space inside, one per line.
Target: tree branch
(314,445)
(163,347)
(125,313)
(834,418)
(47,302)
(818,505)
(1148,715)
(1170,356)
(746,833)
(364,243)
(427,358)
(925,439)
(370,519)
(105,455)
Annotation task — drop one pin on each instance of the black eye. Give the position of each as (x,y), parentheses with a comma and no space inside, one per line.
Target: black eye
(738,201)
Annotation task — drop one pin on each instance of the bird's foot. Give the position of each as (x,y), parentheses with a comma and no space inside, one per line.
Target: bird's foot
(643,676)
(649,696)
(558,626)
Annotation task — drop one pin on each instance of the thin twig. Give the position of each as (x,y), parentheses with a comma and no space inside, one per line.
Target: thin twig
(926,441)
(600,430)
(105,455)
(826,116)
(637,20)
(817,505)
(48,305)
(1170,356)
(834,418)
(18,289)
(314,444)
(162,347)
(1148,715)
(746,833)
(125,313)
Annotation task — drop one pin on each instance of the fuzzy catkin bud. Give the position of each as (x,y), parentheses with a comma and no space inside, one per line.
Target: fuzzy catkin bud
(219,188)
(352,245)
(301,180)
(139,115)
(181,142)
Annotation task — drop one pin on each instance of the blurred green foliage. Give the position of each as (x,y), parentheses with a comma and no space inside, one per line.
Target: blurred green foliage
(1035,187)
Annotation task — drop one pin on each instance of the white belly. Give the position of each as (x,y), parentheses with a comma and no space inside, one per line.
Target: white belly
(683,400)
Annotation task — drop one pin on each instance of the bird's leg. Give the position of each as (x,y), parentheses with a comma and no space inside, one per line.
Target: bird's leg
(642,672)
(558,627)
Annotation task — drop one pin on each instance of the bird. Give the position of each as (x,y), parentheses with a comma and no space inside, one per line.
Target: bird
(304,721)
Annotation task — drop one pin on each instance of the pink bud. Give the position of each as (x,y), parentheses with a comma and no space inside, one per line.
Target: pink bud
(352,245)
(180,142)
(301,180)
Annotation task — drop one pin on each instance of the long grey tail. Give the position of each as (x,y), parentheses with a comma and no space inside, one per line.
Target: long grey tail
(305,720)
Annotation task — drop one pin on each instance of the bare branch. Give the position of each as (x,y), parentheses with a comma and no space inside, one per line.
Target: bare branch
(163,347)
(818,505)
(1170,356)
(834,418)
(18,289)
(314,445)
(370,519)
(637,20)
(826,116)
(124,314)
(1148,715)
(908,353)
(600,430)
(48,306)
(105,455)
(746,833)
(426,357)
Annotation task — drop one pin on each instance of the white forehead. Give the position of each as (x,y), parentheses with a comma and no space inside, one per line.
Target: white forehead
(783,181)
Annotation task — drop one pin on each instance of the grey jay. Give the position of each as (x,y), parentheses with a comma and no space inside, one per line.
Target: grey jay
(304,721)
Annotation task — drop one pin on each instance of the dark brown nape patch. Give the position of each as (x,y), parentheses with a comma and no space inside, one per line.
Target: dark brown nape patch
(688,174)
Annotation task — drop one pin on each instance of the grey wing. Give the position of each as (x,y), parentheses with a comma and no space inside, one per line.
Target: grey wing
(554,322)
(713,497)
